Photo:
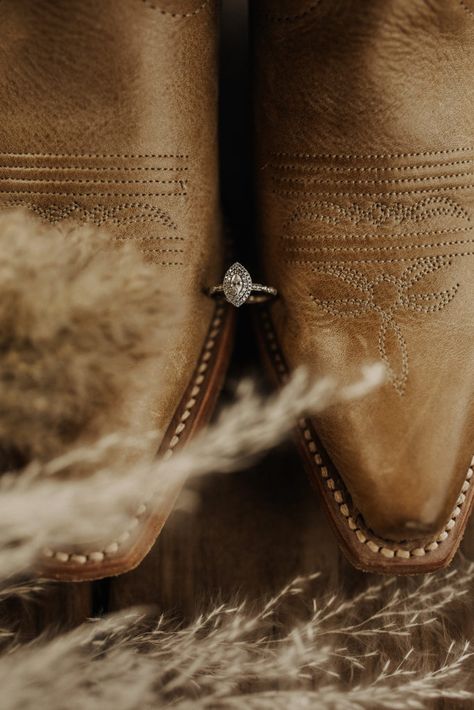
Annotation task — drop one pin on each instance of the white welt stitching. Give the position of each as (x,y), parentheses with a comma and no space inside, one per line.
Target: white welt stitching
(113,547)
(387,549)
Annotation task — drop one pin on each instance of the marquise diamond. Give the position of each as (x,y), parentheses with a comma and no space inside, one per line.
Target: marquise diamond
(237,284)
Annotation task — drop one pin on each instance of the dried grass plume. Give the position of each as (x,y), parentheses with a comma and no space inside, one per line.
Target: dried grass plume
(78,317)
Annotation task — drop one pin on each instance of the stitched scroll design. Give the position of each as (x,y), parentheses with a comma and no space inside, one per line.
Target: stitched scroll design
(387,296)
(99,214)
(379,214)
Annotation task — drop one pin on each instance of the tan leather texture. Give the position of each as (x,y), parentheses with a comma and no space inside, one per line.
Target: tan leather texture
(110,118)
(365,180)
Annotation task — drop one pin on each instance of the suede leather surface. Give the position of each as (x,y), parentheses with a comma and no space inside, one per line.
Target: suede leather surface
(109,118)
(365,180)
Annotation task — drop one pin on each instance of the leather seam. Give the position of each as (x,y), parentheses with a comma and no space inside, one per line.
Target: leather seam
(112,548)
(387,549)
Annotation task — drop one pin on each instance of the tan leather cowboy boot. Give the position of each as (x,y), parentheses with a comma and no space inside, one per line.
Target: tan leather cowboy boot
(365,137)
(110,117)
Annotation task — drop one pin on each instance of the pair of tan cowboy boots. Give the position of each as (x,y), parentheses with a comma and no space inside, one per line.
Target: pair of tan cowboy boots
(364,172)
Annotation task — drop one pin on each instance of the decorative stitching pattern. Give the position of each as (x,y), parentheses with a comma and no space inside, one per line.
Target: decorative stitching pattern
(52,178)
(99,214)
(390,247)
(387,193)
(371,156)
(124,156)
(386,295)
(379,213)
(308,180)
(113,547)
(357,262)
(95,181)
(369,235)
(305,168)
(341,496)
(97,169)
(193,13)
(154,238)
(93,194)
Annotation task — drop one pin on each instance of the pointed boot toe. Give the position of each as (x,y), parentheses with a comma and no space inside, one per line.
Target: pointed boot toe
(365,138)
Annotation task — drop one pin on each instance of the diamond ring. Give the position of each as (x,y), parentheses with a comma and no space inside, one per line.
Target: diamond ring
(238,288)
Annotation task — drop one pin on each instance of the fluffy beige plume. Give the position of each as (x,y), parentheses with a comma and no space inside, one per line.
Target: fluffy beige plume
(302,649)
(77,320)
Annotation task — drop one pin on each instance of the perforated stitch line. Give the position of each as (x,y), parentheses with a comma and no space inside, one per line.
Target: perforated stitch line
(379,213)
(93,194)
(365,181)
(387,548)
(367,168)
(444,297)
(370,235)
(98,169)
(165,263)
(420,154)
(125,156)
(95,181)
(112,548)
(154,238)
(392,260)
(99,214)
(391,247)
(195,12)
(388,193)
(164,250)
